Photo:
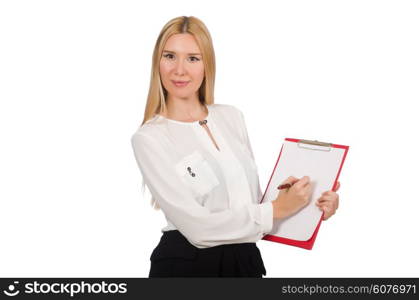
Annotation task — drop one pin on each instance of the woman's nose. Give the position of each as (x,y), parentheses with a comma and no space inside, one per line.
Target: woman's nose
(180,67)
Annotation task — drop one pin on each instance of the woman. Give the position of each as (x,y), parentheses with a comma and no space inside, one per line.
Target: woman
(196,159)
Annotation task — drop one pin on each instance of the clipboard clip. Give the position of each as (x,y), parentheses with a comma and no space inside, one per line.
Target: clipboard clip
(321,146)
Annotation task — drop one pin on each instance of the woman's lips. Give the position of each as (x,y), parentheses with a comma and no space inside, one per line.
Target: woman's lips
(180,83)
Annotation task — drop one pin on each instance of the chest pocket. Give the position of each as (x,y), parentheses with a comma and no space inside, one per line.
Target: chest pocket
(197,174)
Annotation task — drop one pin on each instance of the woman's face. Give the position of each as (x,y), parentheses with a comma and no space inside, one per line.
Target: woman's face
(181,66)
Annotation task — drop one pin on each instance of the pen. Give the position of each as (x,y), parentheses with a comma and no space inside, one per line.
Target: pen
(284,186)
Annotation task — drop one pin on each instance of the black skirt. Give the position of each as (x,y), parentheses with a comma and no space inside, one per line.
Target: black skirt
(174,256)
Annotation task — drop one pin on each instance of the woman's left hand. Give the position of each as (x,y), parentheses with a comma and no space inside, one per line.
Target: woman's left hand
(329,202)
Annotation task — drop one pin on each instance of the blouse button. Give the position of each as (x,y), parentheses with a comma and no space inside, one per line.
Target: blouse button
(191,173)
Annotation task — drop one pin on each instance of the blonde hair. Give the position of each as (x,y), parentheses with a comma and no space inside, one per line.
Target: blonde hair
(156,99)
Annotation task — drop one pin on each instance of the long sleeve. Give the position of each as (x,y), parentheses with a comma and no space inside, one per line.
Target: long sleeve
(246,141)
(203,228)
(244,133)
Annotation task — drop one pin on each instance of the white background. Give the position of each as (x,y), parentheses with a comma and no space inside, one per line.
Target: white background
(74,77)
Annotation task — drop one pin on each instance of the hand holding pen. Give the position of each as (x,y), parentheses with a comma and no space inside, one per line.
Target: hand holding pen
(295,198)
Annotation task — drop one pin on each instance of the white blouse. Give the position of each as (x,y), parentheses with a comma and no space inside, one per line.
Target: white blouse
(211,196)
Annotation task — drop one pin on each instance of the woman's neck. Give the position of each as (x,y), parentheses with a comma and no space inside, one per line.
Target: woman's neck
(185,110)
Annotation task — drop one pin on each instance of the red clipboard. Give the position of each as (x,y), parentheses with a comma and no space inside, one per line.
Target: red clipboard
(306,244)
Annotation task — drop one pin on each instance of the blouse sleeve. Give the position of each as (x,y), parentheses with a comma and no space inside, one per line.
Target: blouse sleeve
(246,141)
(203,228)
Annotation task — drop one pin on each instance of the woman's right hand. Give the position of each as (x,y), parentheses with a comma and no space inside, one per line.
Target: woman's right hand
(291,200)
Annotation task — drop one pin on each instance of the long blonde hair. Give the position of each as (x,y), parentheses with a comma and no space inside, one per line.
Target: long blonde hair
(156,99)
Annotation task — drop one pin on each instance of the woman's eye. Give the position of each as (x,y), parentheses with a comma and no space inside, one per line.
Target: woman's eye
(169,56)
(193,58)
